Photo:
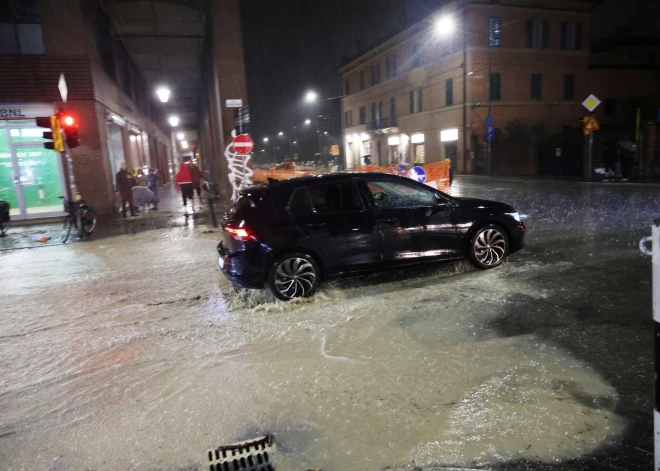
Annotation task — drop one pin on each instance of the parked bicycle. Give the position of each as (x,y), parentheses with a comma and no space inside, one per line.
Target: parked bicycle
(80,215)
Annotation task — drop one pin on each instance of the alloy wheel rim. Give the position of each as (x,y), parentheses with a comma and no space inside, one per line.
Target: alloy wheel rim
(295,277)
(489,247)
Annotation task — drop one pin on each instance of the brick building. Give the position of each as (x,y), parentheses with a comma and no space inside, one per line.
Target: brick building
(422,95)
(114,54)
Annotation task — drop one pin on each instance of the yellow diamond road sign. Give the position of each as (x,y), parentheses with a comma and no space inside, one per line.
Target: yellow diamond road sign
(591,103)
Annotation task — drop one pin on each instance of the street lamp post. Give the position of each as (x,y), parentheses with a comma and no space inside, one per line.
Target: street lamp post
(445,26)
(312,97)
(490,105)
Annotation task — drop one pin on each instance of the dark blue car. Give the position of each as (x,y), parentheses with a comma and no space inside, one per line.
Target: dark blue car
(289,235)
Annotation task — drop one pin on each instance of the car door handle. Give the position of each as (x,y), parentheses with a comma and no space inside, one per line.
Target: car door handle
(316,225)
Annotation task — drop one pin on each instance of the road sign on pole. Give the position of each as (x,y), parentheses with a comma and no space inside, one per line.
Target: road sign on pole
(418,174)
(591,103)
(489,121)
(590,124)
(490,133)
(243,144)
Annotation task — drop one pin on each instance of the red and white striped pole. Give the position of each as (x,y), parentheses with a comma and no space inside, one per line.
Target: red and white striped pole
(655,253)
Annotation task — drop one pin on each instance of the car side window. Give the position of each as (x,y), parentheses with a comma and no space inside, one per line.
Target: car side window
(300,203)
(395,194)
(335,197)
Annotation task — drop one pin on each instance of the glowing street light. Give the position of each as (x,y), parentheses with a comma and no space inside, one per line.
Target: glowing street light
(265,139)
(308,122)
(180,136)
(445,25)
(163,94)
(280,133)
(184,144)
(174,121)
(311,96)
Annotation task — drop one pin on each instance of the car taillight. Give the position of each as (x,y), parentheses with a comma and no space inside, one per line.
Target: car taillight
(240,233)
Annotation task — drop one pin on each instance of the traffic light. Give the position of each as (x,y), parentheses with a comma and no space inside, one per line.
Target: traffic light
(55,133)
(70,128)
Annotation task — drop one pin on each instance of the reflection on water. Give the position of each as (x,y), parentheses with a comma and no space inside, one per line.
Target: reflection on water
(134,353)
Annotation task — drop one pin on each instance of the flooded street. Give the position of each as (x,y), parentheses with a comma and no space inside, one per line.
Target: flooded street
(133,352)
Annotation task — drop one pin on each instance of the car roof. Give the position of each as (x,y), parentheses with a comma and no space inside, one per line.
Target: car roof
(310,179)
(292,183)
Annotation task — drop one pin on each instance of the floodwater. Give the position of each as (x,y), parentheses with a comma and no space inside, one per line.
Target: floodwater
(133,352)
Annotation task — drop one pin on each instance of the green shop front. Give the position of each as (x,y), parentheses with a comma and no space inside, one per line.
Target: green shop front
(31,177)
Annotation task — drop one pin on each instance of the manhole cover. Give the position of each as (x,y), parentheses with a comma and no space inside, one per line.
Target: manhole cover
(249,455)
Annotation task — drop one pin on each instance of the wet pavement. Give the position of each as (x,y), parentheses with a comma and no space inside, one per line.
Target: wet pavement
(129,350)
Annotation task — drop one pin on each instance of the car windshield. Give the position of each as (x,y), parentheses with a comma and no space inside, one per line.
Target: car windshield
(339,235)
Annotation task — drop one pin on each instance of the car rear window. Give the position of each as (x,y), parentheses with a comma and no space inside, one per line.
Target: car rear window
(241,207)
(335,197)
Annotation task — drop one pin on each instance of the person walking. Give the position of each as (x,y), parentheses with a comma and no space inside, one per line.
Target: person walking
(183,182)
(152,184)
(197,177)
(125,184)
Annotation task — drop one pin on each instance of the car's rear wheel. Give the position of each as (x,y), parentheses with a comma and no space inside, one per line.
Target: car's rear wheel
(489,247)
(294,275)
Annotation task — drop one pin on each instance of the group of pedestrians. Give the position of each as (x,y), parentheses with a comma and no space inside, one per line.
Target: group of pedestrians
(129,183)
(137,189)
(189,181)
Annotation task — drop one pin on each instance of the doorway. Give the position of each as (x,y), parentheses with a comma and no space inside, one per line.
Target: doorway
(31,177)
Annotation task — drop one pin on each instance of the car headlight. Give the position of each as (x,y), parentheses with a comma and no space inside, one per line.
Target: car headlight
(515,216)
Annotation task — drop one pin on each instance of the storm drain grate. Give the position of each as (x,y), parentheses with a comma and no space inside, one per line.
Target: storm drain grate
(249,455)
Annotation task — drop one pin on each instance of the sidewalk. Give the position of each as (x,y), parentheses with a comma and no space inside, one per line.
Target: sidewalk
(170,213)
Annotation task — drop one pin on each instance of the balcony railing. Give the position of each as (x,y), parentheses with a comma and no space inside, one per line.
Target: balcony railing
(381,123)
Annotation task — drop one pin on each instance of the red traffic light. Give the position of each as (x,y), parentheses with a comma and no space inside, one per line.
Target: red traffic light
(68,120)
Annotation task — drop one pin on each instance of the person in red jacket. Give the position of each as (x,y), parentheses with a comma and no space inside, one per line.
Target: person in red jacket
(184,184)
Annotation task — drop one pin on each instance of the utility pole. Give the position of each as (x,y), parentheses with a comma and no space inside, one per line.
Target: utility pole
(490,109)
(465,40)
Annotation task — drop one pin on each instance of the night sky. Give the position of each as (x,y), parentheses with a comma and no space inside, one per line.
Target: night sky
(292,46)
(296,45)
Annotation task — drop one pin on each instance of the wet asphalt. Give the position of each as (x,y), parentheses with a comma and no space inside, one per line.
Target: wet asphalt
(580,289)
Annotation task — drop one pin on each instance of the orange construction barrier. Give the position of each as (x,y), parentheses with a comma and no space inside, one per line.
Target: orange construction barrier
(437,173)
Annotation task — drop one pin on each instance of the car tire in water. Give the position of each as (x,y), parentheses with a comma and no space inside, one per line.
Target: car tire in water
(294,275)
(489,246)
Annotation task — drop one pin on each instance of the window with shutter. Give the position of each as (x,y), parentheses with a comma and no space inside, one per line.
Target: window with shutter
(494,32)
(495,86)
(449,92)
(537,34)
(569,86)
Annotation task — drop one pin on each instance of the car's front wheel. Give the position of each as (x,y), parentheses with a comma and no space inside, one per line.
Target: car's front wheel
(294,275)
(489,246)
